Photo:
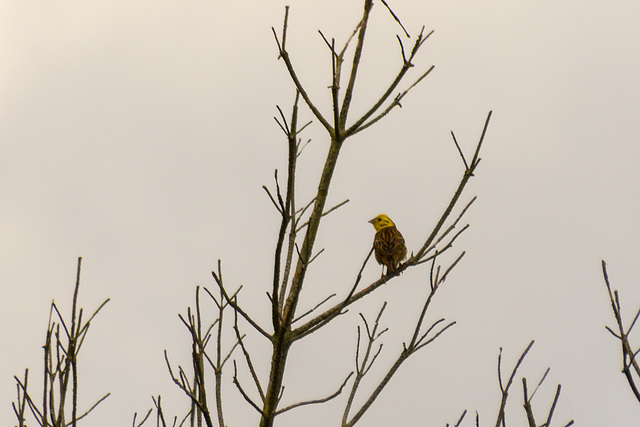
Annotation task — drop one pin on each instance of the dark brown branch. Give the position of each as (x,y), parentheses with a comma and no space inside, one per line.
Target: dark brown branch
(314,308)
(346,101)
(633,322)
(396,18)
(92,407)
(628,355)
(420,342)
(315,256)
(466,166)
(457,424)
(288,209)
(417,342)
(553,406)
(135,415)
(325,213)
(362,367)
(505,388)
(236,307)
(247,358)
(217,372)
(527,404)
(330,314)
(455,223)
(315,401)
(476,158)
(25,398)
(82,333)
(159,411)
(463,182)
(540,382)
(241,390)
(331,45)
(294,77)
(440,251)
(448,270)
(272,199)
(360,125)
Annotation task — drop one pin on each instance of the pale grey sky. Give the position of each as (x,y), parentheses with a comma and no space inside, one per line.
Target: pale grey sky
(138,135)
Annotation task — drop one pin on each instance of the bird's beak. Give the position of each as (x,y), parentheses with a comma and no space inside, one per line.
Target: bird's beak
(371,221)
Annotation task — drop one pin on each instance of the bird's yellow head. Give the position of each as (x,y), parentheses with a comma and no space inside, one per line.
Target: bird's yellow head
(381,221)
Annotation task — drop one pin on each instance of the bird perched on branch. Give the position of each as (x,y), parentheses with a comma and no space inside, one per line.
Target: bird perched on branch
(388,244)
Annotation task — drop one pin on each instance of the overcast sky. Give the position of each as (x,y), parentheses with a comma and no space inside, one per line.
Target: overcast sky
(138,135)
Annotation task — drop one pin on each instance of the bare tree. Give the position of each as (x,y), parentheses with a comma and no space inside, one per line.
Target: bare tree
(61,350)
(295,246)
(294,252)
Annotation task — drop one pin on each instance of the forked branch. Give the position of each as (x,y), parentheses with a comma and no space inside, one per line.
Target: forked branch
(419,340)
(61,352)
(628,354)
(415,259)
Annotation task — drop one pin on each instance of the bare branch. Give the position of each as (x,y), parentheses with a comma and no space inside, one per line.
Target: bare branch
(360,125)
(421,344)
(527,404)
(476,158)
(627,352)
(553,405)
(272,199)
(236,307)
(346,101)
(448,270)
(315,401)
(92,407)
(325,213)
(396,18)
(247,358)
(505,389)
(314,308)
(324,318)
(294,77)
(613,333)
(364,124)
(540,382)
(135,415)
(363,366)
(463,182)
(466,166)
(241,390)
(404,58)
(460,419)
(329,45)
(158,405)
(284,126)
(633,322)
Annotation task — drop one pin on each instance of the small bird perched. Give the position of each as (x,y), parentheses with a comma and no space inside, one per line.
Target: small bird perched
(388,244)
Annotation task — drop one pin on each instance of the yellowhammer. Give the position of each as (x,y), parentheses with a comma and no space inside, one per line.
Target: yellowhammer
(388,244)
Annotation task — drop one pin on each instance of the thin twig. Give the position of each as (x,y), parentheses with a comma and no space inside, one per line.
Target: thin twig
(241,390)
(236,307)
(294,77)
(466,166)
(460,419)
(315,401)
(325,213)
(396,18)
(540,382)
(314,308)
(505,388)
(247,358)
